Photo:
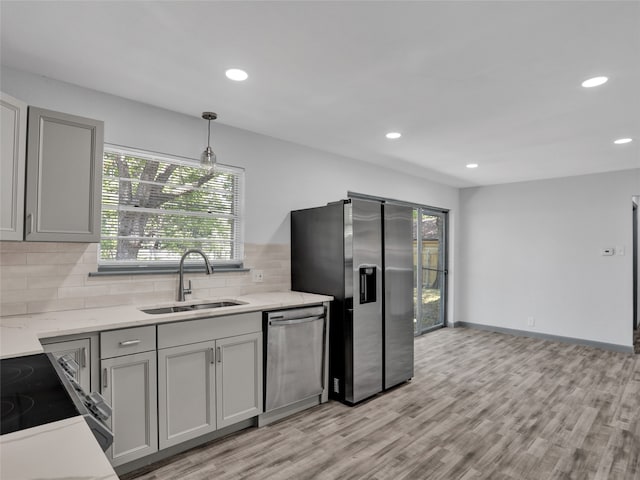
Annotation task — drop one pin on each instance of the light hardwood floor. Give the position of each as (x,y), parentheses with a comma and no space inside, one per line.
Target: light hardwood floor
(481,406)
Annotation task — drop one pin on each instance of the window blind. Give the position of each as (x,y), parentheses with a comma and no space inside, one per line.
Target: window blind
(154,207)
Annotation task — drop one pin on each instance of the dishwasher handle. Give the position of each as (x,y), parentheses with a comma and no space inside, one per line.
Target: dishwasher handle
(296,313)
(297,321)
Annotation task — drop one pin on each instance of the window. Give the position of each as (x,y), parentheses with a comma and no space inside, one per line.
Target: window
(154,207)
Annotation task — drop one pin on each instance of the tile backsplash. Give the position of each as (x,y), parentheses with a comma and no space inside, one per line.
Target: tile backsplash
(46,276)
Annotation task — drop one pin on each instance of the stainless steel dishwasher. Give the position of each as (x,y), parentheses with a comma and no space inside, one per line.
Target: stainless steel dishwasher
(295,356)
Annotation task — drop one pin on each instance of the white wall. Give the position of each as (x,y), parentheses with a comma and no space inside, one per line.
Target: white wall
(533,249)
(280,176)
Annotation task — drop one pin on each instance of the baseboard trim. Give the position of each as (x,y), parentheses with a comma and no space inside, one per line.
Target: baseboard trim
(545,336)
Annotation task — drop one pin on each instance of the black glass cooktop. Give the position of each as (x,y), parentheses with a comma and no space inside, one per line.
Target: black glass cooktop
(32,393)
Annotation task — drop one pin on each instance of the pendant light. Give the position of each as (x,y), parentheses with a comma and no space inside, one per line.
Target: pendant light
(208,158)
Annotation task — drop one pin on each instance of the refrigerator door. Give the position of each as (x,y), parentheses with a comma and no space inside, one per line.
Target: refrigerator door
(364,375)
(398,315)
(317,250)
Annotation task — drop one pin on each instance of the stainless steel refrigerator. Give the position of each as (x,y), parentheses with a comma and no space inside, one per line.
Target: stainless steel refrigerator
(361,252)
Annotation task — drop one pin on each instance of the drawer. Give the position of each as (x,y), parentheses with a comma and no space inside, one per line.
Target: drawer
(211,328)
(127,341)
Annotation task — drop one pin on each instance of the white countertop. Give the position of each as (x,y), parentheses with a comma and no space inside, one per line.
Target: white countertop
(67,449)
(57,450)
(21,334)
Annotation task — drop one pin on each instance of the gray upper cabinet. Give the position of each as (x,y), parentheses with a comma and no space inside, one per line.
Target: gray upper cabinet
(64,177)
(13,127)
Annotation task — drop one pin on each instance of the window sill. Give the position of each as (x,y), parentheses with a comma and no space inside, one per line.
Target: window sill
(109,272)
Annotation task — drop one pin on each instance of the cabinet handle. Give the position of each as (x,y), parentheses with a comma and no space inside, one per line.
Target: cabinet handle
(83,357)
(129,343)
(29,224)
(213,356)
(105,376)
(219,351)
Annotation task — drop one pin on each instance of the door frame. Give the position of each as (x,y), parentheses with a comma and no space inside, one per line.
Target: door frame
(443,254)
(635,200)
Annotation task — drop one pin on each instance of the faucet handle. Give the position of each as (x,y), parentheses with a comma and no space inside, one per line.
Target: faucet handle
(187,290)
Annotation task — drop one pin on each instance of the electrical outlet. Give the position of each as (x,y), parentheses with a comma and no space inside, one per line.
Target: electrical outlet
(258,276)
(531,322)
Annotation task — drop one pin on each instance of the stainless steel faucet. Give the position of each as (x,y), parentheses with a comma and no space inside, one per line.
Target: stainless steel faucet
(185,291)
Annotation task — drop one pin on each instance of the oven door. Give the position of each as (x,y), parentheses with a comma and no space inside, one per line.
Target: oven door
(91,406)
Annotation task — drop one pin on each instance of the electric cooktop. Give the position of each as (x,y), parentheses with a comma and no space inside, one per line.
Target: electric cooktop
(32,393)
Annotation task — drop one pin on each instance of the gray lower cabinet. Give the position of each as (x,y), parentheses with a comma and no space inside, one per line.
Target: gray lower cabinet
(209,375)
(129,385)
(130,388)
(186,392)
(238,378)
(81,351)
(206,386)
(13,144)
(64,177)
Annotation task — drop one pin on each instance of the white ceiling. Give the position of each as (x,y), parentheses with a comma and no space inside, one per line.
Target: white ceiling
(494,83)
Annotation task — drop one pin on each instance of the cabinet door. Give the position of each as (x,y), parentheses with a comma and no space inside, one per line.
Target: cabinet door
(13,128)
(129,386)
(239,378)
(186,392)
(64,177)
(80,351)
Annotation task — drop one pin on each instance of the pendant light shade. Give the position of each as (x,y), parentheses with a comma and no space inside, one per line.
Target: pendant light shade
(208,157)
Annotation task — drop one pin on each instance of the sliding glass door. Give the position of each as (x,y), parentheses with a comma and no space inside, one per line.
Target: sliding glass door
(429,255)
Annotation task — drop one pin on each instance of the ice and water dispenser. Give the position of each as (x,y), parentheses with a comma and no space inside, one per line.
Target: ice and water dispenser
(368,283)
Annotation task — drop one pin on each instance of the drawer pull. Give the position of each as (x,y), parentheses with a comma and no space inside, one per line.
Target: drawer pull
(129,343)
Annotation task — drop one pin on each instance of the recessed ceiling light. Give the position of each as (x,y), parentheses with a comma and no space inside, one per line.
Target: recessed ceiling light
(594,82)
(393,135)
(622,141)
(472,165)
(236,74)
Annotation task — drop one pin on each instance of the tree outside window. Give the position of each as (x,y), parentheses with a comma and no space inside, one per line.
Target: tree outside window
(156,207)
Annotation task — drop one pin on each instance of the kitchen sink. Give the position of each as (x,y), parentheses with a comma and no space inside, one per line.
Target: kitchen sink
(202,306)
(159,310)
(188,308)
